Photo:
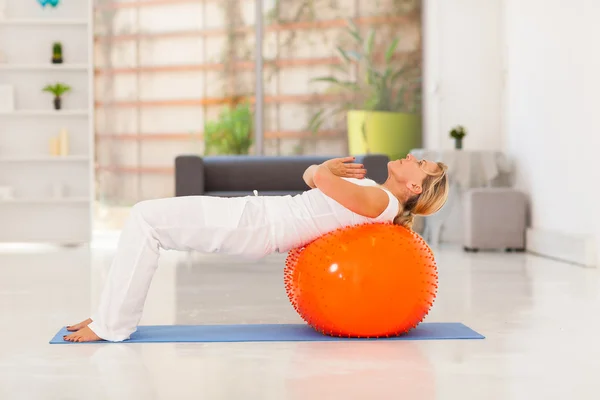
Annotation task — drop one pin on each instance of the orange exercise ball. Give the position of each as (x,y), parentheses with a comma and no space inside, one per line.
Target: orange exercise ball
(373,280)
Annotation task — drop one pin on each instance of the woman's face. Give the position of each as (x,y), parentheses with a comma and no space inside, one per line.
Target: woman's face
(411,171)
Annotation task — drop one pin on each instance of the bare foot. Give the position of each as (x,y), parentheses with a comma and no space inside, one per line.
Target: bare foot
(79,326)
(83,335)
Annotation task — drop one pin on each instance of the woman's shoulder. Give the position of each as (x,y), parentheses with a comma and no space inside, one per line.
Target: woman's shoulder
(393,206)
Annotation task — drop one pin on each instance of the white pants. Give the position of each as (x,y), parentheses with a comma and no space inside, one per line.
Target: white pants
(201,223)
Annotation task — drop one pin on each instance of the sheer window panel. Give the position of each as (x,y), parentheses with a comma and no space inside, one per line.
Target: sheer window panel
(115,22)
(116,121)
(171,86)
(215,13)
(216,49)
(270,45)
(307,43)
(293,117)
(172,51)
(156,186)
(270,78)
(172,18)
(247,11)
(389,7)
(163,153)
(270,118)
(296,80)
(167,120)
(118,54)
(115,88)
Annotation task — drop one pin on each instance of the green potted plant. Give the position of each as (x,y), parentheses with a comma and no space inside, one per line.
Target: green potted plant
(458,133)
(381,102)
(57,90)
(57,55)
(231,133)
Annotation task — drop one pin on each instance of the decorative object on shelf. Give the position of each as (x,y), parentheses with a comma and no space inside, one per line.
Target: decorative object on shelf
(458,133)
(57,53)
(54,146)
(63,141)
(57,90)
(381,101)
(59,145)
(7,193)
(231,133)
(52,3)
(7,98)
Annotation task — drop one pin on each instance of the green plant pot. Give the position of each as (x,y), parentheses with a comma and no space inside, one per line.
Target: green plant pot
(393,134)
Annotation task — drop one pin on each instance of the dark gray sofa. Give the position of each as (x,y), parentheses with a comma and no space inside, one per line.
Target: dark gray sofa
(233,176)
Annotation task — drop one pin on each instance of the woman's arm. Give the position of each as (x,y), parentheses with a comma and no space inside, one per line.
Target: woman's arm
(308,176)
(367,201)
(342,167)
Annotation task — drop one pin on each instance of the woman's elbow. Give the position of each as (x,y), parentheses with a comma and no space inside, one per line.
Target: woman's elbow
(308,176)
(320,177)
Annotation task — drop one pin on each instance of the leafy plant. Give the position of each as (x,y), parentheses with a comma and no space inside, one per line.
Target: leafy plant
(458,132)
(231,133)
(57,89)
(378,86)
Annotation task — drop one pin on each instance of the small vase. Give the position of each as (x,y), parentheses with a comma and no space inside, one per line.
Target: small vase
(57,103)
(57,60)
(458,144)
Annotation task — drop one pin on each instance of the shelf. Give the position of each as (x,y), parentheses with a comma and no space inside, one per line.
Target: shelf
(72,200)
(43,67)
(45,113)
(44,159)
(43,22)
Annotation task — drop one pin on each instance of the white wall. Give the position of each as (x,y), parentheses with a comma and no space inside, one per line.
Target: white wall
(552,128)
(463,43)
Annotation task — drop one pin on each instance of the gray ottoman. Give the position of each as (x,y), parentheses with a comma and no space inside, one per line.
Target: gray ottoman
(495,218)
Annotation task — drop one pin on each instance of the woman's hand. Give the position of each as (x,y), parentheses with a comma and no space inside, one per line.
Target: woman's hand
(345,168)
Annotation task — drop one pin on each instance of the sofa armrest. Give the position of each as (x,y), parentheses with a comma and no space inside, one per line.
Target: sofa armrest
(189,176)
(376,166)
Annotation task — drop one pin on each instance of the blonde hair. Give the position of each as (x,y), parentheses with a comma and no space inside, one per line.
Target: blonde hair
(429,201)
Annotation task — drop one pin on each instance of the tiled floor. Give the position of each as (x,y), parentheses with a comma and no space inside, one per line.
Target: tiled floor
(540,318)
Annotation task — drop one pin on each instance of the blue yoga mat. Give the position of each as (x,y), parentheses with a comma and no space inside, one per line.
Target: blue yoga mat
(274,333)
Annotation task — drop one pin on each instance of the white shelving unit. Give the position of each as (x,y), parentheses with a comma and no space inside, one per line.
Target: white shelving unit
(37,211)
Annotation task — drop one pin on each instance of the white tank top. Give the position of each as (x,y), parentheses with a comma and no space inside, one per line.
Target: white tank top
(298,220)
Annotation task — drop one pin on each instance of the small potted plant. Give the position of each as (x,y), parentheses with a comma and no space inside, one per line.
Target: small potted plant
(57,90)
(57,54)
(458,133)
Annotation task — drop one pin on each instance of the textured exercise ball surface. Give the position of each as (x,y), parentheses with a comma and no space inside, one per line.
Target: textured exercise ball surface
(375,280)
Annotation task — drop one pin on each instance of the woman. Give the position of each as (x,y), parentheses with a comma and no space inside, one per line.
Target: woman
(255,226)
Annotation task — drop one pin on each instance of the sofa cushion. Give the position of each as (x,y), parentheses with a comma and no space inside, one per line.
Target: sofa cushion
(248,173)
